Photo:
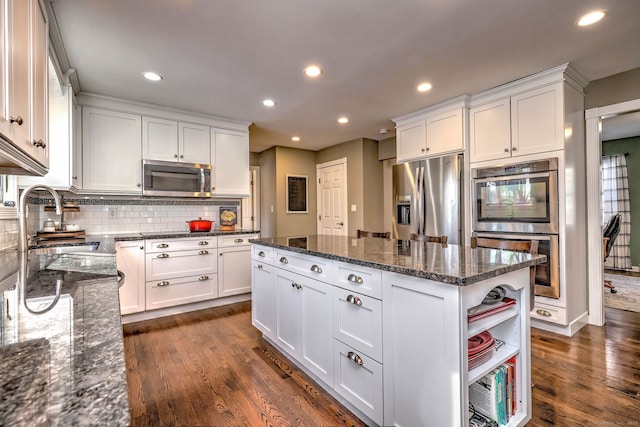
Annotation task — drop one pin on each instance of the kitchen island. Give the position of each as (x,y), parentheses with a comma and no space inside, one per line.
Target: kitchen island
(322,300)
(61,348)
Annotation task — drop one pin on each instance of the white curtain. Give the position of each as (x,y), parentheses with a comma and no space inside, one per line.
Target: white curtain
(615,199)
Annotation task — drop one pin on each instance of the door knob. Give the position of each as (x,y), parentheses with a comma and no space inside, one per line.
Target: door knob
(340,223)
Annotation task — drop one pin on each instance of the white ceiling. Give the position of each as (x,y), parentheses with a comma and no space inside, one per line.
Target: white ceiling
(223,57)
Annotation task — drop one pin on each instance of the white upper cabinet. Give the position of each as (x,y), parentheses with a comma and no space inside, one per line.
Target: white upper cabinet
(24,77)
(174,141)
(194,143)
(490,130)
(230,162)
(111,151)
(431,132)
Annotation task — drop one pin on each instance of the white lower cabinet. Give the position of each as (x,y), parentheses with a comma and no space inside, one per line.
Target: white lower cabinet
(358,379)
(181,290)
(303,306)
(234,261)
(263,315)
(130,261)
(357,321)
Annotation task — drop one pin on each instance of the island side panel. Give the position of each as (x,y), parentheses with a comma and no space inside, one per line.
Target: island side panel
(422,352)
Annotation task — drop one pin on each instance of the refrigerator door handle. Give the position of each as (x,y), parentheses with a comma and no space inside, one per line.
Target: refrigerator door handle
(420,201)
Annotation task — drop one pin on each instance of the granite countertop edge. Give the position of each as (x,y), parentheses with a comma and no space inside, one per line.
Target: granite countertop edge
(422,274)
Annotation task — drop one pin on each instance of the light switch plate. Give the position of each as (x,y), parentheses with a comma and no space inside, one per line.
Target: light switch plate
(353,208)
(113,212)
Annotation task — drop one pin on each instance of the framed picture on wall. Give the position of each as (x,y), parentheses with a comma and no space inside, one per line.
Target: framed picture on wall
(297,194)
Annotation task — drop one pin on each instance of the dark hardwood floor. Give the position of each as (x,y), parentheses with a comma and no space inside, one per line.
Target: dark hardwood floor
(211,368)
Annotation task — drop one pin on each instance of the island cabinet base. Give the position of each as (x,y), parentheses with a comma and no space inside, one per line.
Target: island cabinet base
(425,333)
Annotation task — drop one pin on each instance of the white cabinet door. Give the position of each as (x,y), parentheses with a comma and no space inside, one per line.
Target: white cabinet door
(490,131)
(130,261)
(445,132)
(234,271)
(230,161)
(317,329)
(18,67)
(39,81)
(288,312)
(194,143)
(111,151)
(537,121)
(411,141)
(159,139)
(263,303)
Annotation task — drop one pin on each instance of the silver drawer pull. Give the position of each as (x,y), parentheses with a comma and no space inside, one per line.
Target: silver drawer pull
(284,260)
(163,256)
(202,278)
(355,279)
(259,266)
(261,253)
(163,283)
(203,243)
(239,240)
(544,313)
(316,269)
(354,300)
(203,252)
(162,245)
(356,359)
(295,285)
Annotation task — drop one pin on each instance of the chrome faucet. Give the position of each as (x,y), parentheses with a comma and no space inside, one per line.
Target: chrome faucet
(22,212)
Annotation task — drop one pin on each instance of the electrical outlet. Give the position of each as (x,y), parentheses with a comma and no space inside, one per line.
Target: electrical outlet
(113,212)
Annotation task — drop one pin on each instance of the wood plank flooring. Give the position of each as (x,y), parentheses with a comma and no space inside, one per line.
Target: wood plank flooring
(211,368)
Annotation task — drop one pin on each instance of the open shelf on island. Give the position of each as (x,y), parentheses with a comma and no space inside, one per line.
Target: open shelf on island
(489,322)
(501,355)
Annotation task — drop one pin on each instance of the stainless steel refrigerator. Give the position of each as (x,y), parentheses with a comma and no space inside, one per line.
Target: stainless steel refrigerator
(428,198)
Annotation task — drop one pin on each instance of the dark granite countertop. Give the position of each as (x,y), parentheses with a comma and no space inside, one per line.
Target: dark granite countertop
(61,358)
(454,264)
(106,242)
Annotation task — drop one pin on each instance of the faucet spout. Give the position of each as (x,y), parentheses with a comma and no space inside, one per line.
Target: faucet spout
(22,211)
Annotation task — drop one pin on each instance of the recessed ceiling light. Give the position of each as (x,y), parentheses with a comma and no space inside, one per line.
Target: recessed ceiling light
(268,102)
(313,71)
(591,18)
(295,138)
(384,131)
(343,120)
(424,87)
(150,75)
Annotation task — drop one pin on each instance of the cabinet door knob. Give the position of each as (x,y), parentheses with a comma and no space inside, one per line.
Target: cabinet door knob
(355,279)
(284,260)
(175,156)
(141,247)
(261,253)
(182,156)
(204,253)
(316,269)
(514,148)
(163,283)
(163,256)
(17,120)
(356,359)
(138,185)
(74,178)
(39,143)
(354,300)
(506,150)
(423,150)
(203,243)
(427,148)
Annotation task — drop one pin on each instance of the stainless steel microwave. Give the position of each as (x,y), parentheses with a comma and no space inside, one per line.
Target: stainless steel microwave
(173,179)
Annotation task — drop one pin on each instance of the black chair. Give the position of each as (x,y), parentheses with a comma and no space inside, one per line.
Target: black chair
(381,234)
(609,235)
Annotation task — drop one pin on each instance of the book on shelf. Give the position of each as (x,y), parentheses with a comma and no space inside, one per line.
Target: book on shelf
(494,395)
(479,420)
(484,310)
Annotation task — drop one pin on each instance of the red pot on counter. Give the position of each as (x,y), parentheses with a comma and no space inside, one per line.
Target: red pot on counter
(200,225)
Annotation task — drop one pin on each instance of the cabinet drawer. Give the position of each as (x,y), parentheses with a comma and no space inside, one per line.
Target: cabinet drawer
(263,254)
(367,281)
(166,265)
(310,266)
(358,379)
(549,313)
(235,240)
(357,321)
(183,290)
(164,245)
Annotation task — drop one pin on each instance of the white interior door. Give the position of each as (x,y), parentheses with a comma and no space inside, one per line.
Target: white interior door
(251,205)
(332,197)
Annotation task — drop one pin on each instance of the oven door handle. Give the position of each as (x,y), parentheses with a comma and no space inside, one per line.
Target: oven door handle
(546,174)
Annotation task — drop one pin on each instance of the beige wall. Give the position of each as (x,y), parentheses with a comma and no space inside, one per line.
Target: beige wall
(268,196)
(297,162)
(613,89)
(387,148)
(372,187)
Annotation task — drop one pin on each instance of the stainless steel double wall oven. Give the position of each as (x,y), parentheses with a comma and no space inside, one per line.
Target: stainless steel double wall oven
(520,202)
